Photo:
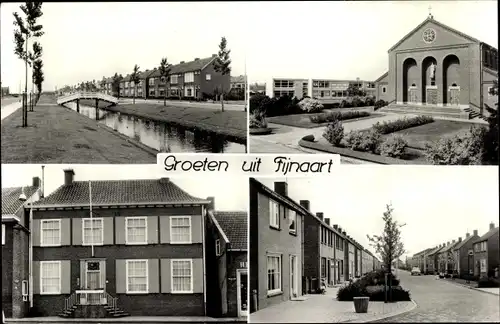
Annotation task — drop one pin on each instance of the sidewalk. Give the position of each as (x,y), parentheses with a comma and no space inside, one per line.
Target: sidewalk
(59,135)
(129,319)
(228,105)
(326,309)
(461,282)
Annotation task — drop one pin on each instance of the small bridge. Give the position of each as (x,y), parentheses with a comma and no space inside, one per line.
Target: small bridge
(76,96)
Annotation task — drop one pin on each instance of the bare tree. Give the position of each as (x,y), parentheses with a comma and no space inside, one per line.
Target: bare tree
(165,69)
(222,64)
(135,78)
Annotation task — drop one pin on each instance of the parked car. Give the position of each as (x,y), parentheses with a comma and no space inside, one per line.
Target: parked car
(415,271)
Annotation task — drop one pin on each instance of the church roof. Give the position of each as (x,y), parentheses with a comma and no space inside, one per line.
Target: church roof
(431,19)
(382,76)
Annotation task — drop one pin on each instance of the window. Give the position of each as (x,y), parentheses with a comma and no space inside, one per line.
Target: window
(136,230)
(174,79)
(50,232)
(483,265)
(323,267)
(188,77)
(180,229)
(208,77)
(273,274)
(92,231)
(50,277)
(292,219)
(182,276)
(341,265)
(217,247)
(383,89)
(3,234)
(137,276)
(189,92)
(274,219)
(151,81)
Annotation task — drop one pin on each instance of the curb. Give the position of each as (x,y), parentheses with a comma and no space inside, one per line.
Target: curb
(407,309)
(469,287)
(486,292)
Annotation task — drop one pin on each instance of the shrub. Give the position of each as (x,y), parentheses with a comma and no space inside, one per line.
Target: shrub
(394,146)
(403,123)
(364,141)
(257,120)
(334,132)
(345,104)
(348,292)
(462,149)
(377,277)
(310,105)
(369,101)
(380,103)
(357,102)
(377,293)
(308,138)
(469,277)
(337,115)
(486,282)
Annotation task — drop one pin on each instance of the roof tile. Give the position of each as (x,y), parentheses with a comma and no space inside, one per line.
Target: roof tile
(234,225)
(10,198)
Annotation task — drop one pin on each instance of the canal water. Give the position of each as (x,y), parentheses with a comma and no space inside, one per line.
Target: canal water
(159,135)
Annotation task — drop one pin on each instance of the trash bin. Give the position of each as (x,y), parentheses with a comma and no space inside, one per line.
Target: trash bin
(361,304)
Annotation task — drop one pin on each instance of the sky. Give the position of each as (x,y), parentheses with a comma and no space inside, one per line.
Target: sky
(437,204)
(345,40)
(85,41)
(231,193)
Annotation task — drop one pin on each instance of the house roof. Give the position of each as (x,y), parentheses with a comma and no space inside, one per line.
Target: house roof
(234,224)
(126,78)
(145,74)
(421,252)
(382,76)
(238,79)
(431,19)
(118,192)
(463,242)
(192,65)
(487,235)
(449,247)
(434,250)
(10,198)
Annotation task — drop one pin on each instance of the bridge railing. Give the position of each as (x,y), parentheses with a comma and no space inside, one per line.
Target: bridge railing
(86,95)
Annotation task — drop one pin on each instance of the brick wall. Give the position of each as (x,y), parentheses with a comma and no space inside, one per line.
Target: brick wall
(311,248)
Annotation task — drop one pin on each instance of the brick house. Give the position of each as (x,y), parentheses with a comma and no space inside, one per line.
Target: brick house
(142,87)
(464,254)
(15,248)
(431,260)
(227,259)
(189,80)
(276,240)
(137,245)
(486,253)
(125,89)
(446,258)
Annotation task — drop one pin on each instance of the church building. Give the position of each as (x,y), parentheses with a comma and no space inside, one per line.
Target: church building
(435,67)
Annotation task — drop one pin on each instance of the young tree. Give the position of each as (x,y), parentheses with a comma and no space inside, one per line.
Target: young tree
(27,28)
(103,84)
(388,245)
(115,84)
(165,69)
(222,64)
(38,77)
(135,78)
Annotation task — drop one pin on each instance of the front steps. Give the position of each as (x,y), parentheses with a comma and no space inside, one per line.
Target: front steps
(449,112)
(99,311)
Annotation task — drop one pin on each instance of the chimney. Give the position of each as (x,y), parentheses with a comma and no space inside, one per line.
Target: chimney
(335,226)
(343,232)
(36,182)
(327,221)
(340,230)
(453,242)
(182,62)
(319,215)
(305,204)
(164,180)
(281,188)
(460,239)
(492,225)
(467,235)
(197,58)
(475,233)
(211,205)
(68,176)
(447,243)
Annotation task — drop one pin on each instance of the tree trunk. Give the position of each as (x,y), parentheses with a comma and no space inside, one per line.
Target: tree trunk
(25,107)
(222,98)
(134,96)
(165,96)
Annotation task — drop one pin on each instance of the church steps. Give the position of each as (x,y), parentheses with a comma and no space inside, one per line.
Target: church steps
(409,110)
(427,108)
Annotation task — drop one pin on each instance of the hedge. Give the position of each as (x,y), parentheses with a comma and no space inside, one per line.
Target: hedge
(337,115)
(387,127)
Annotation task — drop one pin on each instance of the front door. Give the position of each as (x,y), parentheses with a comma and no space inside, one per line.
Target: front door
(293,277)
(329,273)
(413,94)
(242,283)
(93,275)
(455,96)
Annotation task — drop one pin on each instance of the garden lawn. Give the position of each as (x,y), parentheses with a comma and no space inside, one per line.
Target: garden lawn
(418,136)
(304,121)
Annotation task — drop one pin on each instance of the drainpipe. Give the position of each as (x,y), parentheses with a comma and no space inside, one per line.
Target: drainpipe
(203,213)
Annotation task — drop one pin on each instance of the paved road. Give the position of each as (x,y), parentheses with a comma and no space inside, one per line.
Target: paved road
(442,301)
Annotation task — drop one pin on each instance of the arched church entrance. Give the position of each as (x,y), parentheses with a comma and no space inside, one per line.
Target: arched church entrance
(410,74)
(429,67)
(451,80)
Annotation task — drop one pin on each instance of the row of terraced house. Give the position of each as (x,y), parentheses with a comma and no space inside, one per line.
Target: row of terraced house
(293,250)
(136,247)
(477,256)
(185,80)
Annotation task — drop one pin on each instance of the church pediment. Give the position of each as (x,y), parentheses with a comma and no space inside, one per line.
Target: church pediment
(432,33)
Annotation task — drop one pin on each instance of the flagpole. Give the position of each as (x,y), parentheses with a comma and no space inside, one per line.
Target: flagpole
(91,222)
(31,256)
